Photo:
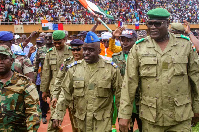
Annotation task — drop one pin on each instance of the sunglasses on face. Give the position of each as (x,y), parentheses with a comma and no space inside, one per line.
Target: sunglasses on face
(156,24)
(76,49)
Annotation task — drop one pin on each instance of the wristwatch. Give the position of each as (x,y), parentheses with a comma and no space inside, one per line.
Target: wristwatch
(189,33)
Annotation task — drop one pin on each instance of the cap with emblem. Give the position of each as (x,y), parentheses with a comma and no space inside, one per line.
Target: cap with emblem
(76,42)
(177,26)
(58,35)
(6,36)
(4,49)
(106,35)
(129,33)
(40,40)
(91,37)
(158,13)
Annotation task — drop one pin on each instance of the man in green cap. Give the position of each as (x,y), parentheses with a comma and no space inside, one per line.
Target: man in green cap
(18,98)
(166,69)
(90,84)
(53,60)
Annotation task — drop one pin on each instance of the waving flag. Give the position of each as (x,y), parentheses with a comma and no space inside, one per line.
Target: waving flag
(45,25)
(96,9)
(137,24)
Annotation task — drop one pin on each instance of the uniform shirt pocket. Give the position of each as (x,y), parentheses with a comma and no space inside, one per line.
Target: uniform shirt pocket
(103,89)
(78,88)
(53,64)
(148,108)
(180,65)
(183,108)
(148,66)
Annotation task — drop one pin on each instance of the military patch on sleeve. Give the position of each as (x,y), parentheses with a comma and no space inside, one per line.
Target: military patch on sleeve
(193,47)
(140,40)
(49,50)
(114,65)
(61,67)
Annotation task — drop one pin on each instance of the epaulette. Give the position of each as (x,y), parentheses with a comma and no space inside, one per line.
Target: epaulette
(185,37)
(113,64)
(140,40)
(49,50)
(68,58)
(70,47)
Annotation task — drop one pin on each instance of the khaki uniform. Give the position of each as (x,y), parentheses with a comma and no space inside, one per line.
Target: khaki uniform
(168,79)
(51,67)
(91,87)
(20,110)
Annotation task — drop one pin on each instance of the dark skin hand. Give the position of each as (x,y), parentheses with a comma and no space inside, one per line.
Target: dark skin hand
(195,119)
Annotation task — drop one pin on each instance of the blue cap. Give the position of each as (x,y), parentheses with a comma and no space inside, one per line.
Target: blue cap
(6,36)
(76,42)
(91,37)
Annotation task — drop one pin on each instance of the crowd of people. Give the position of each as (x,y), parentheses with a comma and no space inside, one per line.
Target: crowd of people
(127,11)
(101,77)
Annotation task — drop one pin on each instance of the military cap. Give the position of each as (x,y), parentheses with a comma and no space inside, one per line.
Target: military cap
(58,35)
(83,33)
(177,26)
(158,13)
(129,33)
(76,42)
(4,49)
(91,37)
(6,36)
(40,40)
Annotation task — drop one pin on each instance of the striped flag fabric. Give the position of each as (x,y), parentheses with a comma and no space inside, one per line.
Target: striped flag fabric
(96,9)
(45,25)
(137,25)
(120,24)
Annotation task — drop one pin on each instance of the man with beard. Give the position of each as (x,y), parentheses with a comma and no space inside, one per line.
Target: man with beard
(91,84)
(128,39)
(77,51)
(166,69)
(19,99)
(53,60)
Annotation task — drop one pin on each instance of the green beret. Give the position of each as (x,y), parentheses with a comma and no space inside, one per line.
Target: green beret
(158,13)
(58,35)
(177,26)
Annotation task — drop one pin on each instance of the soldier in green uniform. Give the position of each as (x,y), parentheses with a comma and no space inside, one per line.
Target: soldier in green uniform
(77,51)
(53,60)
(19,109)
(90,84)
(128,39)
(167,68)
(22,64)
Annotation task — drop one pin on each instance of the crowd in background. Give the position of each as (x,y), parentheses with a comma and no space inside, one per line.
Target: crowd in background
(128,11)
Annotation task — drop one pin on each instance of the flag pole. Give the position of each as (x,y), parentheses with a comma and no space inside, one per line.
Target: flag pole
(100,20)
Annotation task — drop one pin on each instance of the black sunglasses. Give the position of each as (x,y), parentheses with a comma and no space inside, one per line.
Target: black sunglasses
(156,24)
(76,49)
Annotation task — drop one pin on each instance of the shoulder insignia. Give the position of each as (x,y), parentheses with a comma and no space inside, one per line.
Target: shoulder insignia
(185,37)
(49,50)
(72,64)
(140,40)
(114,65)
(68,58)
(70,47)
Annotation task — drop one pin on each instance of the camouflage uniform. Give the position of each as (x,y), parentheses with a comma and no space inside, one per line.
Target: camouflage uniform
(51,67)
(39,57)
(91,87)
(168,79)
(19,105)
(23,65)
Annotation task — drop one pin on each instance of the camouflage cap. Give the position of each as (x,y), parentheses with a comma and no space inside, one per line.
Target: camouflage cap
(4,49)
(158,13)
(177,26)
(58,35)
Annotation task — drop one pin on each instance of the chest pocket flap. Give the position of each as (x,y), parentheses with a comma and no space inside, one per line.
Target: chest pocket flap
(104,88)
(180,65)
(78,88)
(148,66)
